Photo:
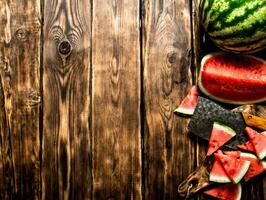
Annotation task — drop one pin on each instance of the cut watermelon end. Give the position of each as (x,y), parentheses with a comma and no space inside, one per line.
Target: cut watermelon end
(219,179)
(224,99)
(224,128)
(184,111)
(242,173)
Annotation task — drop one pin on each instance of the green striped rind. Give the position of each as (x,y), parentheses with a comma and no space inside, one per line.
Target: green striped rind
(235,25)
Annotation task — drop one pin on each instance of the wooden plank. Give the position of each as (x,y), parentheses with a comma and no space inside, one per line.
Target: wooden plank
(116,100)
(66,169)
(169,152)
(20,100)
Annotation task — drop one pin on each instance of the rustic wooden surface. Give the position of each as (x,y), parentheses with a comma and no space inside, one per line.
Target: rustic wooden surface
(87,93)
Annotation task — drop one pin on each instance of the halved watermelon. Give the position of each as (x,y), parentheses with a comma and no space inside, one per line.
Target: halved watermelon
(218,174)
(259,142)
(225,192)
(235,168)
(219,136)
(188,104)
(256,167)
(235,79)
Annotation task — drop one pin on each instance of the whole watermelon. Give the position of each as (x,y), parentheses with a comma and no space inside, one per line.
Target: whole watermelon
(235,25)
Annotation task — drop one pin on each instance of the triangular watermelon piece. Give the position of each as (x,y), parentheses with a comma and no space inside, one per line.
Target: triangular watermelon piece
(247,146)
(219,136)
(218,174)
(235,168)
(256,167)
(189,103)
(225,192)
(259,142)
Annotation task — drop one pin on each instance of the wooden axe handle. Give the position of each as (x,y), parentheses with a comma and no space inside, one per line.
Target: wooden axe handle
(255,121)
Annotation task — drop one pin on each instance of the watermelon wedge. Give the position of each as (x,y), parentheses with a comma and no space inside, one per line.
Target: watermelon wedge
(259,142)
(218,174)
(188,104)
(256,167)
(235,79)
(247,146)
(219,136)
(225,192)
(235,168)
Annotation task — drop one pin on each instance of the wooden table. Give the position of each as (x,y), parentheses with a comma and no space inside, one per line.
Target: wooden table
(87,93)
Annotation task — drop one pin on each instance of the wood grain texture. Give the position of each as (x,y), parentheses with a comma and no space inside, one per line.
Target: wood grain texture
(66,169)
(169,153)
(19,99)
(116,100)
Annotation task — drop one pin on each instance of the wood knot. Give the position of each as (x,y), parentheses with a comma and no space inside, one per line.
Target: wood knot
(21,34)
(171,56)
(64,48)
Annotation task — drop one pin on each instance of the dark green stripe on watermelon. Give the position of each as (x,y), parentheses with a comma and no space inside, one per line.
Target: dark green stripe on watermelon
(235,21)
(207,9)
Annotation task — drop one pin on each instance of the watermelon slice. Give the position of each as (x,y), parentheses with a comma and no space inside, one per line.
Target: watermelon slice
(247,146)
(235,79)
(256,167)
(235,168)
(188,104)
(259,142)
(218,174)
(219,136)
(225,192)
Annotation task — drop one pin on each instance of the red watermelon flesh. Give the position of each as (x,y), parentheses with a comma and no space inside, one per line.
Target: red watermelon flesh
(225,192)
(247,146)
(232,154)
(218,174)
(256,167)
(219,136)
(235,168)
(188,104)
(236,79)
(258,140)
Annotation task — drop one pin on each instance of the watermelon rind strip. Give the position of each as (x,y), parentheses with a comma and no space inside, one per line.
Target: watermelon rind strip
(262,154)
(248,155)
(185,111)
(204,59)
(227,129)
(263,164)
(220,179)
(239,191)
(242,173)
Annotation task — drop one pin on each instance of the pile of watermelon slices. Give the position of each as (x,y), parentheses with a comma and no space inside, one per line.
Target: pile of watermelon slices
(231,167)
